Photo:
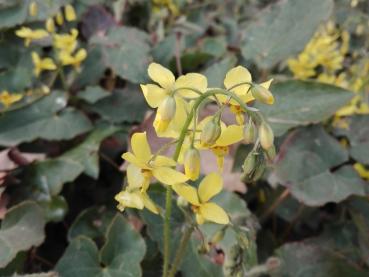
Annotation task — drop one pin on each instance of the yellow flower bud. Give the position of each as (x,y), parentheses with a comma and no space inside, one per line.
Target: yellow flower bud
(59,18)
(249,132)
(249,163)
(192,163)
(50,25)
(70,13)
(266,136)
(33,9)
(182,202)
(210,133)
(262,94)
(167,108)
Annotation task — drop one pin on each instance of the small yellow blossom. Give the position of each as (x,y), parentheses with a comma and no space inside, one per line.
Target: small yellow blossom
(50,25)
(66,42)
(73,59)
(199,198)
(41,64)
(59,18)
(8,99)
(29,35)
(70,13)
(33,8)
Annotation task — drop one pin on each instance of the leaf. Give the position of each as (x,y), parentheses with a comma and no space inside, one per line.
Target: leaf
(332,254)
(301,103)
(304,166)
(127,105)
(40,120)
(22,228)
(120,256)
(283,29)
(92,223)
(164,51)
(126,52)
(215,46)
(92,94)
(48,274)
(358,135)
(217,71)
(49,176)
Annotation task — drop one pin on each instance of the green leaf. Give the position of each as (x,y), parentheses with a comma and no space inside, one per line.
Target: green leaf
(283,29)
(92,94)
(215,46)
(304,166)
(49,176)
(164,51)
(358,135)
(126,52)
(22,228)
(332,254)
(120,256)
(301,103)
(217,71)
(92,223)
(40,119)
(127,105)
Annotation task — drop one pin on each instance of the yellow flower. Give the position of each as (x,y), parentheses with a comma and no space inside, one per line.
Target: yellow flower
(70,13)
(42,64)
(59,18)
(363,172)
(8,99)
(199,198)
(168,86)
(66,42)
(151,165)
(33,9)
(74,60)
(29,35)
(135,196)
(50,25)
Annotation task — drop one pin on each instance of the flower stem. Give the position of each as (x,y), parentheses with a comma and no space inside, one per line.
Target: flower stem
(168,210)
(181,250)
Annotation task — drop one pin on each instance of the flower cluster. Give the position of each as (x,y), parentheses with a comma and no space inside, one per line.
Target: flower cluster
(65,45)
(177,103)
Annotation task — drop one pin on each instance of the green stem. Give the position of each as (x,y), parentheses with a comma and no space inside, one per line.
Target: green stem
(62,79)
(181,251)
(182,136)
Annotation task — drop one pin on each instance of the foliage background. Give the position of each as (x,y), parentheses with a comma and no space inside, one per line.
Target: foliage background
(60,153)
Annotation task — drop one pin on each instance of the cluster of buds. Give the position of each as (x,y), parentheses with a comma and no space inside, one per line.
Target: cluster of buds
(178,118)
(65,45)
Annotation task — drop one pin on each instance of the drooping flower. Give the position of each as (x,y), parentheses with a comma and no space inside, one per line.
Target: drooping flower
(66,42)
(30,35)
(41,64)
(75,60)
(199,198)
(70,13)
(151,165)
(7,99)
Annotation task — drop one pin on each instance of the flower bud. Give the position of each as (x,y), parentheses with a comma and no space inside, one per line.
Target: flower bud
(167,108)
(70,13)
(249,163)
(50,25)
(192,163)
(181,202)
(59,18)
(262,94)
(270,153)
(210,133)
(259,171)
(249,132)
(33,9)
(266,136)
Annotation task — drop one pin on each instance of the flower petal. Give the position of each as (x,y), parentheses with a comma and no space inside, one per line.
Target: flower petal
(236,76)
(187,192)
(169,176)
(154,94)
(213,212)
(191,80)
(267,84)
(211,185)
(161,75)
(149,204)
(163,161)
(134,176)
(130,199)
(230,135)
(140,147)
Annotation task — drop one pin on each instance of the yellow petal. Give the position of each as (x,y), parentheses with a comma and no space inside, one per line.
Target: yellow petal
(191,80)
(48,64)
(236,76)
(129,157)
(163,161)
(161,75)
(363,172)
(230,135)
(211,185)
(149,204)
(169,176)
(267,84)
(140,146)
(134,176)
(154,94)
(200,219)
(213,212)
(70,13)
(130,199)
(187,192)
